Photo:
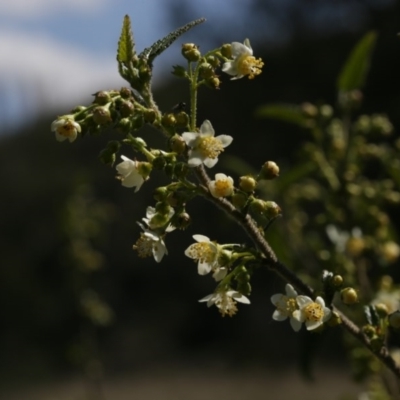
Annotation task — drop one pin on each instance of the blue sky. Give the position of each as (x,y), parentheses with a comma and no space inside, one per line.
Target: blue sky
(54,54)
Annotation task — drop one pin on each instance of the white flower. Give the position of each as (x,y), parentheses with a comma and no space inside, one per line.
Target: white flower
(225,301)
(150,244)
(313,313)
(222,186)
(154,220)
(204,147)
(65,128)
(243,62)
(342,239)
(285,306)
(206,252)
(129,173)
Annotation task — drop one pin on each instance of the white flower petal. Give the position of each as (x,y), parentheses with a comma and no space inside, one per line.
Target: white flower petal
(226,140)
(203,268)
(295,324)
(278,316)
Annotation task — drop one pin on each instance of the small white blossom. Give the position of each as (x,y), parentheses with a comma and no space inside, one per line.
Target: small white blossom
(285,305)
(204,146)
(243,62)
(341,238)
(129,173)
(222,186)
(313,313)
(65,128)
(150,243)
(206,252)
(225,301)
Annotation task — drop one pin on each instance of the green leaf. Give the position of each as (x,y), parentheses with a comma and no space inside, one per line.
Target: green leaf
(354,71)
(126,44)
(285,112)
(158,47)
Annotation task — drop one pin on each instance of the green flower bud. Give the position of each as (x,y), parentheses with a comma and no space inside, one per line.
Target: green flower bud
(226,50)
(191,52)
(137,121)
(247,183)
(163,208)
(257,206)
(102,115)
(214,61)
(382,310)
(177,144)
(124,125)
(206,70)
(369,331)
(269,170)
(102,98)
(182,220)
(326,111)
(168,120)
(107,157)
(213,82)
(182,119)
(272,209)
(126,108)
(181,170)
(78,109)
(125,93)
(239,200)
(349,296)
(179,71)
(159,163)
(337,281)
(160,193)
(144,168)
(149,115)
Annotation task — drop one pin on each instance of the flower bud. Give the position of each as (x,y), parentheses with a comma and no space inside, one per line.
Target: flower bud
(326,111)
(137,121)
(272,209)
(182,119)
(179,71)
(381,309)
(124,125)
(269,170)
(247,183)
(191,52)
(177,144)
(214,61)
(160,193)
(309,110)
(126,108)
(349,296)
(102,98)
(125,93)
(149,115)
(226,50)
(369,331)
(355,246)
(213,82)
(334,320)
(206,70)
(337,281)
(102,115)
(239,200)
(168,120)
(182,220)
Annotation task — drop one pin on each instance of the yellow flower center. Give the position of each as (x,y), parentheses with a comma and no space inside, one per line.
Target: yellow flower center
(314,312)
(249,65)
(287,305)
(210,147)
(223,187)
(226,306)
(202,252)
(144,246)
(68,129)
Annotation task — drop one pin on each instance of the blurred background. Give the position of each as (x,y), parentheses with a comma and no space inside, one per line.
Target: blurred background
(82,316)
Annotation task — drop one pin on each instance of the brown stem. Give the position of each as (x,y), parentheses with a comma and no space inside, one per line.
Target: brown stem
(271,260)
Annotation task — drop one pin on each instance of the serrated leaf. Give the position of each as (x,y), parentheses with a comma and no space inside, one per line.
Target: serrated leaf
(158,47)
(126,44)
(355,69)
(284,112)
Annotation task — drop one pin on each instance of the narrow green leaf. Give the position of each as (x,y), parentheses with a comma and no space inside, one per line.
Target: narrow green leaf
(285,112)
(158,47)
(355,69)
(126,44)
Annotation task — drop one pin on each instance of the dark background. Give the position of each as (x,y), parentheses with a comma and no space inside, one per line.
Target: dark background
(157,317)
